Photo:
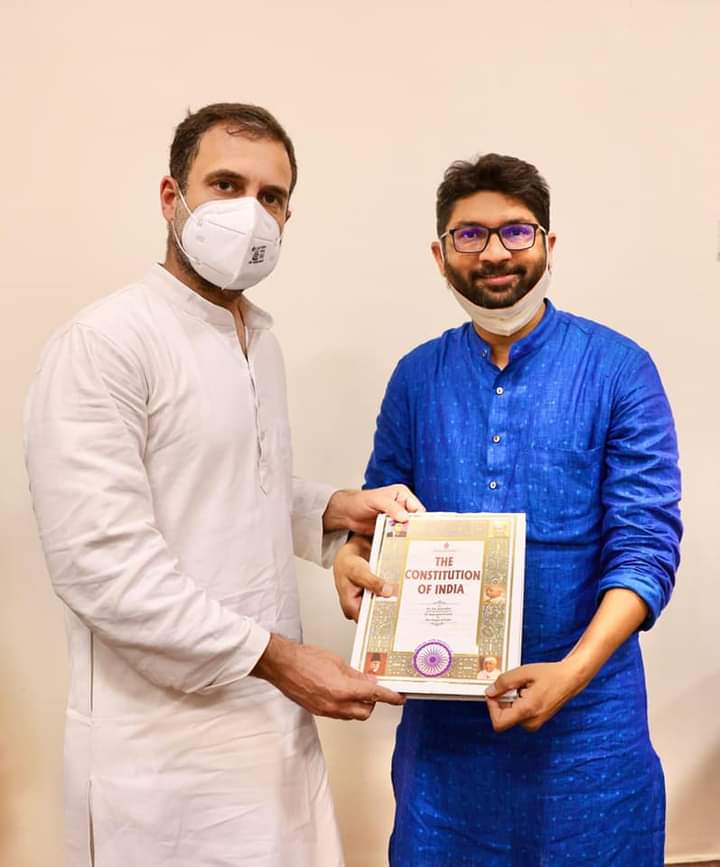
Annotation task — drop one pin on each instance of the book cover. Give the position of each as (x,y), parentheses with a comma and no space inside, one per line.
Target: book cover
(454,621)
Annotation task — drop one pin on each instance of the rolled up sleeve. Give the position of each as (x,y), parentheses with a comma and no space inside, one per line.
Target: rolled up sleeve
(641,490)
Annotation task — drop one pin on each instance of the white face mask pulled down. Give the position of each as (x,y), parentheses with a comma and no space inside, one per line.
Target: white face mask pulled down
(232,243)
(507,320)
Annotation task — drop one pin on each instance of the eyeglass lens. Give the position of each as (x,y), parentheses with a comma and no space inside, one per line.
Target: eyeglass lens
(513,236)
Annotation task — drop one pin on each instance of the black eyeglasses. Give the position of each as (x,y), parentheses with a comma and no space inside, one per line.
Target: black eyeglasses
(475,238)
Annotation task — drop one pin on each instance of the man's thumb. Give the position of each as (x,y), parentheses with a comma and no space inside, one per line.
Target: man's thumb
(514,679)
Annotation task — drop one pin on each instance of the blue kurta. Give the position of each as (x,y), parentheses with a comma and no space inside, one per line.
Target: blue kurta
(577,432)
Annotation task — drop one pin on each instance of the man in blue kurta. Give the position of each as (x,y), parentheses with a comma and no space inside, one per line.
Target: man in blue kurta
(530,409)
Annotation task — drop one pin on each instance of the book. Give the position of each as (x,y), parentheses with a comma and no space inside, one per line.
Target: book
(454,620)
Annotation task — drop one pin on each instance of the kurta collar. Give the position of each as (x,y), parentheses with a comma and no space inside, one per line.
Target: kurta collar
(183,297)
(532,341)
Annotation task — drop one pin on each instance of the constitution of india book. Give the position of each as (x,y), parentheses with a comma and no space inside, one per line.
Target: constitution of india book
(454,620)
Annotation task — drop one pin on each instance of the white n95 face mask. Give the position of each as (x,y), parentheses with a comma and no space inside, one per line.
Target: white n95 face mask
(232,243)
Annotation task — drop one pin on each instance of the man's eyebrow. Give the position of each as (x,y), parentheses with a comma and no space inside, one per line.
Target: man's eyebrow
(225,174)
(230,175)
(465,223)
(281,192)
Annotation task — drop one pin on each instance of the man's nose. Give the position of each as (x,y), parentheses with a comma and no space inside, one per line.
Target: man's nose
(495,252)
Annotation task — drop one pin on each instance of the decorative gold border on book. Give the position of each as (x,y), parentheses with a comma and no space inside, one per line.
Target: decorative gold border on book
(498,532)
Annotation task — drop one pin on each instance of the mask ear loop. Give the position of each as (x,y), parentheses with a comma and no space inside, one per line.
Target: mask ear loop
(448,284)
(172,224)
(548,259)
(182,198)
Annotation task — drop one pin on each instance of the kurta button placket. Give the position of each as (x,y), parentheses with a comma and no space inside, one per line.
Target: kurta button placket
(263,468)
(496,456)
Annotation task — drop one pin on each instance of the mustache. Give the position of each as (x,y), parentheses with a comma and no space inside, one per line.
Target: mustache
(500,271)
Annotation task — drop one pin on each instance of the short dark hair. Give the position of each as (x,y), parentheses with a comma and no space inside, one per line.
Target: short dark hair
(496,173)
(249,120)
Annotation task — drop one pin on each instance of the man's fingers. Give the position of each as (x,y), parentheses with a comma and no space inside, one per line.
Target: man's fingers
(410,501)
(353,711)
(503,715)
(387,696)
(397,501)
(360,575)
(396,510)
(360,545)
(517,678)
(362,710)
(350,601)
(400,502)
(368,689)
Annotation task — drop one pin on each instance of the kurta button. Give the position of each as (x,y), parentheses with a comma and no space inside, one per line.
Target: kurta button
(499,390)
(492,485)
(497,438)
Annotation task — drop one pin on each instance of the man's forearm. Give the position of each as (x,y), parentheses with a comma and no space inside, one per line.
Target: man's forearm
(620,613)
(543,688)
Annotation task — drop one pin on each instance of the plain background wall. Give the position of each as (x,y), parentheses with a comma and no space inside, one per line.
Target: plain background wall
(617,104)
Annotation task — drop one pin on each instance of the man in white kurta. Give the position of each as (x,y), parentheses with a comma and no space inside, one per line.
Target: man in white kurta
(156,449)
(160,463)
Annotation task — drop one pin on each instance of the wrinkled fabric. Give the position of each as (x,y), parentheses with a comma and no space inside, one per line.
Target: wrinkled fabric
(160,466)
(576,431)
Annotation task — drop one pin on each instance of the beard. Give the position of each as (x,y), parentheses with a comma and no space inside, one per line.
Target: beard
(470,286)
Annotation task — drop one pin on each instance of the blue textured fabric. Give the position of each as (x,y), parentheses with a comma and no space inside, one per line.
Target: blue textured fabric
(587,449)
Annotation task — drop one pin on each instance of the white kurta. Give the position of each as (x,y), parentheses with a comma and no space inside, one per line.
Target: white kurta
(160,467)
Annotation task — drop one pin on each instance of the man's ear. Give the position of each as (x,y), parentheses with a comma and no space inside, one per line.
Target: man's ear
(285,218)
(439,256)
(168,197)
(551,239)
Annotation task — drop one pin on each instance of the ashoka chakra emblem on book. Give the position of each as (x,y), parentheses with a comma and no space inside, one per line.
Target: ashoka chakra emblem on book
(432,658)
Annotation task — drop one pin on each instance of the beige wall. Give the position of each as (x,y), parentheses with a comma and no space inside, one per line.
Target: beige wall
(617,105)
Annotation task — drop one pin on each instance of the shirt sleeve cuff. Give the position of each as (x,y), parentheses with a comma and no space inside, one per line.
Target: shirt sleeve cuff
(244,661)
(642,587)
(310,542)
